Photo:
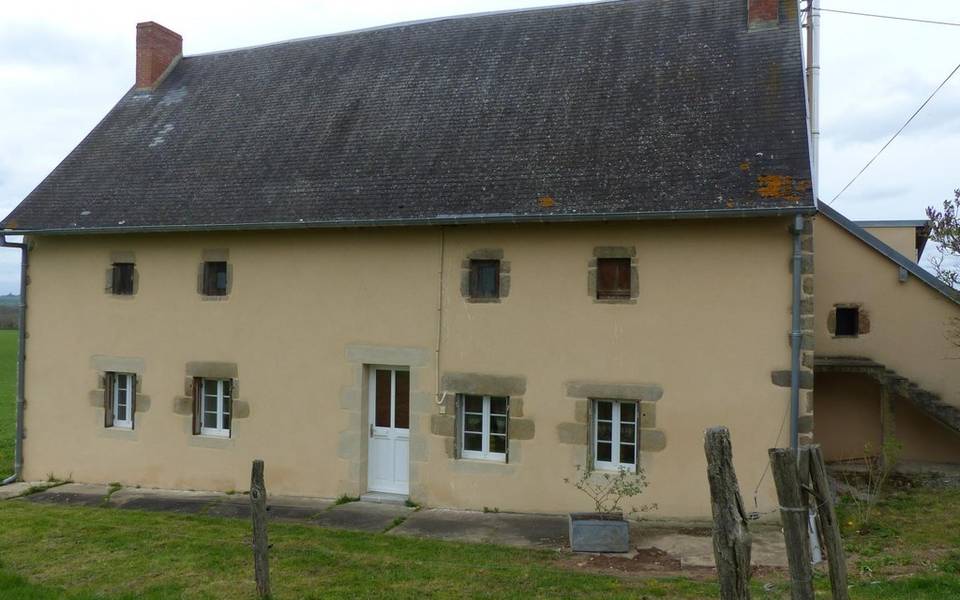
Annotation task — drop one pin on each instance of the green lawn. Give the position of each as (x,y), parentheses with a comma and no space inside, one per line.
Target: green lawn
(51,552)
(8,391)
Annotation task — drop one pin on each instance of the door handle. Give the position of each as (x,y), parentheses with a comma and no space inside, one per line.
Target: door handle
(371,429)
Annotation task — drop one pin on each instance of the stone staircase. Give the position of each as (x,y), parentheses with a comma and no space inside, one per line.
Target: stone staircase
(928,402)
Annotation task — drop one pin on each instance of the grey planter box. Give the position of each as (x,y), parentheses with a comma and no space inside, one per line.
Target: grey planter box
(599,532)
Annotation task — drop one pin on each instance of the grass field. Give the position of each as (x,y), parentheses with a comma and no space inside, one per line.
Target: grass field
(8,390)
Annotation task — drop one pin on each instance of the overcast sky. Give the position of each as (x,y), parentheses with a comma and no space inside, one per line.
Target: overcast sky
(63,65)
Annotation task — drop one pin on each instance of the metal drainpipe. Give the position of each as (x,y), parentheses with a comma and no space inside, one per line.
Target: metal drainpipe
(21,356)
(796,335)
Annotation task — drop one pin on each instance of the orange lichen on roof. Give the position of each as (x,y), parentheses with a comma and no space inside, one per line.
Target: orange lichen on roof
(745,166)
(545,202)
(781,187)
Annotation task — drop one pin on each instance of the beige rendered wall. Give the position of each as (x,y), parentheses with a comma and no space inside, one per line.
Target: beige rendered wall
(847,412)
(901,239)
(308,309)
(907,328)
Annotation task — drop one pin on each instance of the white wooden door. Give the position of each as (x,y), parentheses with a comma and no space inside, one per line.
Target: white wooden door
(388,464)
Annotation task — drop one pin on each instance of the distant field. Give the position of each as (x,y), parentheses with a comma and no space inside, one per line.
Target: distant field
(8,390)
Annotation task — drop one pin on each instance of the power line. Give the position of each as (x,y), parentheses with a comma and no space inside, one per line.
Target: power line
(902,127)
(891,17)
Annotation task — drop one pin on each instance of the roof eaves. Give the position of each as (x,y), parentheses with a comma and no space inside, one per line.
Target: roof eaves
(901,260)
(479,219)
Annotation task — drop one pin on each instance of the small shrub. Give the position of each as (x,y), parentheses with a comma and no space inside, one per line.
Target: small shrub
(345,499)
(608,491)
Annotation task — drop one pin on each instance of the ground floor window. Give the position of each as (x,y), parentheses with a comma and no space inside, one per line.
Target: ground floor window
(215,407)
(484,427)
(121,392)
(615,434)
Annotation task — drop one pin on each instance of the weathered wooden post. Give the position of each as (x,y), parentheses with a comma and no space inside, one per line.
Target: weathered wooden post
(731,535)
(258,511)
(793,515)
(829,526)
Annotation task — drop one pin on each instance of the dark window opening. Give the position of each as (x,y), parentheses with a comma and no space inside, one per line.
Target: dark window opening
(123,279)
(613,278)
(848,321)
(215,278)
(484,278)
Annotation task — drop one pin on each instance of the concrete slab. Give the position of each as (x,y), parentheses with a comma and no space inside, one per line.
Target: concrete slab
(181,502)
(79,494)
(694,547)
(15,489)
(362,516)
(544,531)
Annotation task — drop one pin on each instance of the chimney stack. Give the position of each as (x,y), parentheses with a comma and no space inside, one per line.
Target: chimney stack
(763,14)
(157,49)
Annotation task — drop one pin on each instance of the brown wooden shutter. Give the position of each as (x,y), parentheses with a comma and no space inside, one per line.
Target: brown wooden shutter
(108,416)
(636,458)
(458,426)
(114,279)
(133,401)
(197,414)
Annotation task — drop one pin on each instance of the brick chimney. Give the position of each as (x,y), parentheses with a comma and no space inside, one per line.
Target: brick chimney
(157,49)
(763,14)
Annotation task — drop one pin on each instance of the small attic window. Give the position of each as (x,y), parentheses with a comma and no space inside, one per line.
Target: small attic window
(215,278)
(848,321)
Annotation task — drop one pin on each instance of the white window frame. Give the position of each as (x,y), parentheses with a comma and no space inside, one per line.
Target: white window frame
(123,396)
(615,464)
(485,453)
(221,399)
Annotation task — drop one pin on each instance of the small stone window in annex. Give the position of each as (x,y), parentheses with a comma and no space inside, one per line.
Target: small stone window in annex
(612,275)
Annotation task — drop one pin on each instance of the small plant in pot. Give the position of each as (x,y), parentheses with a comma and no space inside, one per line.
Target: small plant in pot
(607,529)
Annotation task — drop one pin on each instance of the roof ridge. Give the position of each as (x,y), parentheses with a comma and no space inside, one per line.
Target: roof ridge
(414,22)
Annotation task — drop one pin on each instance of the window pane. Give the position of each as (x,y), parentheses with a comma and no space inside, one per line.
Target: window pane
(472,422)
(227,388)
(473,442)
(498,406)
(628,433)
(603,451)
(402,409)
(498,443)
(215,278)
(484,278)
(210,420)
(498,425)
(604,431)
(382,398)
(626,453)
(605,410)
(473,404)
(628,412)
(121,410)
(226,421)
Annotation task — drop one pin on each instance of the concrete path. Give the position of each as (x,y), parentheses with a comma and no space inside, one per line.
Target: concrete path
(693,546)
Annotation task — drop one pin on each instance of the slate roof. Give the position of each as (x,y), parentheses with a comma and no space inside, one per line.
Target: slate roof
(613,110)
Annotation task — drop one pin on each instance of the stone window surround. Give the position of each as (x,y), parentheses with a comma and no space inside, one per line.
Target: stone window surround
(485,254)
(613,252)
(184,405)
(582,395)
(215,255)
(863,320)
(353,438)
(102,365)
(122,256)
(447,424)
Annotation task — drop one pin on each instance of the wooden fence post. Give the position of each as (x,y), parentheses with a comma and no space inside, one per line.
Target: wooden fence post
(731,535)
(258,511)
(794,516)
(829,526)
